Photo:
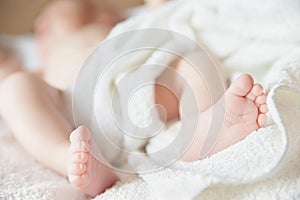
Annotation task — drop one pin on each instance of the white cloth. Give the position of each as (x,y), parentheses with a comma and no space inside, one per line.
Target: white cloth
(260,38)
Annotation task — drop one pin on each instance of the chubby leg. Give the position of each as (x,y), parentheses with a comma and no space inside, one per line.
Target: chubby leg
(167,99)
(245,107)
(31,108)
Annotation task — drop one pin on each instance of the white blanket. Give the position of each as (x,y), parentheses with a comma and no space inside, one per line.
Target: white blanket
(261,38)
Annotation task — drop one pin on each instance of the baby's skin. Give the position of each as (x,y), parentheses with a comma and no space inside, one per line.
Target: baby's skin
(245,112)
(67,31)
(42,129)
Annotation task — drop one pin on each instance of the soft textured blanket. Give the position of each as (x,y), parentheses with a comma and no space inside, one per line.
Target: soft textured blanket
(261,38)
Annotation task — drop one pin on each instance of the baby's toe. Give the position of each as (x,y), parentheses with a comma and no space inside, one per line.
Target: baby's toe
(81,133)
(84,133)
(256,90)
(263,108)
(80,157)
(78,180)
(261,99)
(78,147)
(76,168)
(261,120)
(74,136)
(241,86)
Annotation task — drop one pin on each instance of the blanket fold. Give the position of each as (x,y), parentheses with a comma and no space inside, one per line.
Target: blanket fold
(260,38)
(249,37)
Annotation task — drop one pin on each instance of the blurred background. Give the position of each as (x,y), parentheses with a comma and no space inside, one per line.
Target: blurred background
(17,16)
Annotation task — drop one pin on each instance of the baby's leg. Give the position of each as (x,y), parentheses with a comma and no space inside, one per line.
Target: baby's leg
(245,107)
(32,110)
(164,96)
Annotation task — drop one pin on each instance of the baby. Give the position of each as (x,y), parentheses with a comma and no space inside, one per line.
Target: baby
(32,104)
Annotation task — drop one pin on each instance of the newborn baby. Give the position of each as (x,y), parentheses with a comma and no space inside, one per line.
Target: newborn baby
(32,105)
(67,32)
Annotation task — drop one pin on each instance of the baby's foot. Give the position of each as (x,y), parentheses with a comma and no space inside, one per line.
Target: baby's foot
(245,111)
(85,172)
(9,63)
